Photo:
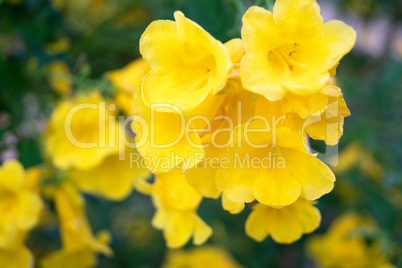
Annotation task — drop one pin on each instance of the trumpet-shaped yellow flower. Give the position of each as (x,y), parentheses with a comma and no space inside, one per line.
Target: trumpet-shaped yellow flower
(200,258)
(20,207)
(15,254)
(126,81)
(179,226)
(187,67)
(176,202)
(80,247)
(80,133)
(16,257)
(343,247)
(114,178)
(291,49)
(273,167)
(284,225)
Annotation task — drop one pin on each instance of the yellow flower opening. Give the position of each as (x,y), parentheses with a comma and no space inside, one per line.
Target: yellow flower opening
(186,67)
(284,225)
(176,202)
(291,49)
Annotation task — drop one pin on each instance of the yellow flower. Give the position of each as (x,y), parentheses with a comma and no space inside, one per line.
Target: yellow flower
(203,175)
(114,178)
(273,167)
(59,78)
(20,207)
(284,225)
(80,247)
(320,115)
(126,81)
(167,141)
(176,202)
(175,192)
(291,49)
(186,68)
(200,258)
(179,226)
(343,247)
(16,257)
(355,155)
(80,134)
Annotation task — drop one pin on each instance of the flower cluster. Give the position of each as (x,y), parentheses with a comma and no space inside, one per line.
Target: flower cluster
(210,120)
(233,119)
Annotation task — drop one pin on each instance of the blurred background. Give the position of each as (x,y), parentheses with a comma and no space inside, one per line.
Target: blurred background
(49,49)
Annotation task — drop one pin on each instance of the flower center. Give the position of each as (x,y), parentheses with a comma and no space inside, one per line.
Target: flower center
(284,55)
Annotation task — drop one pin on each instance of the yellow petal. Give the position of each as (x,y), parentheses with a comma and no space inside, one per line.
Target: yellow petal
(285,225)
(232,207)
(19,257)
(315,177)
(277,188)
(179,229)
(260,74)
(235,49)
(175,192)
(301,16)
(165,141)
(202,232)
(258,222)
(113,178)
(338,38)
(202,178)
